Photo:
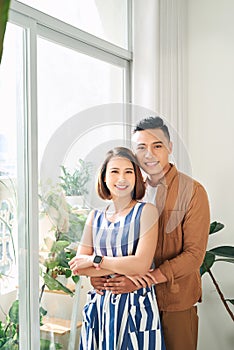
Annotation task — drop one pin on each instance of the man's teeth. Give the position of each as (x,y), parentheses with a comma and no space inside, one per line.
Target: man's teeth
(151,163)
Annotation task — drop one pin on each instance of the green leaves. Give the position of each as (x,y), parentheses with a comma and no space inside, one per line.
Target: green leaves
(46,344)
(53,284)
(9,333)
(75,183)
(207,262)
(58,246)
(14,312)
(225,251)
(227,255)
(4,9)
(215,227)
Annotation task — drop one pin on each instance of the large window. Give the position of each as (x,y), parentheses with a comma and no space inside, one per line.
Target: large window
(106,19)
(62,101)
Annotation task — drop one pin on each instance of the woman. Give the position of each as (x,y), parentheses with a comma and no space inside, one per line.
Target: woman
(120,240)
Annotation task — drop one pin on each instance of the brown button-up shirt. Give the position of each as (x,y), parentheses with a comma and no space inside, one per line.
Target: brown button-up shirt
(183,233)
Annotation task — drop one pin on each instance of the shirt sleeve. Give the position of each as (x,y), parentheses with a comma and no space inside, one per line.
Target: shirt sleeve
(195,230)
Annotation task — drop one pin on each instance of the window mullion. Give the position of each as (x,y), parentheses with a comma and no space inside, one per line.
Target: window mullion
(28,194)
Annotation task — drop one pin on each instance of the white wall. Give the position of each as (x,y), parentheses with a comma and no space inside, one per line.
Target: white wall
(211,145)
(210,123)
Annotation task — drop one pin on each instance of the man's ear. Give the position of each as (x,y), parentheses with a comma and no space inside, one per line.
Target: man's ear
(170,147)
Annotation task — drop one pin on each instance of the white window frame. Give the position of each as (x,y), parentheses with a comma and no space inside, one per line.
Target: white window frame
(37,23)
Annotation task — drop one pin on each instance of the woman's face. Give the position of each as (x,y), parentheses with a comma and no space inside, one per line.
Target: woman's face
(120,177)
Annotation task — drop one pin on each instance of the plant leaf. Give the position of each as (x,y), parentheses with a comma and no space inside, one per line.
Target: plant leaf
(4,9)
(76,279)
(53,284)
(215,227)
(230,300)
(226,260)
(59,245)
(46,344)
(226,251)
(207,262)
(14,312)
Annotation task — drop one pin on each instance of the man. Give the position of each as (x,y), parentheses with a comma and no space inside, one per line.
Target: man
(183,233)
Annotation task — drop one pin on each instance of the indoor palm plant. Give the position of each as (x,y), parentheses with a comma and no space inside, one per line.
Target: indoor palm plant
(218,254)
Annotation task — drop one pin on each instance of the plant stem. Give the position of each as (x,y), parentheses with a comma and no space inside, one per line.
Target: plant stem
(220,293)
(42,291)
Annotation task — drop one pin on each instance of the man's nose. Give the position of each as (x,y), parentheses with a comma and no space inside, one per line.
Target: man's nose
(148,153)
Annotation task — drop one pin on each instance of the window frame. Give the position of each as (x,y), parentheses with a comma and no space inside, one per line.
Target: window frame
(34,24)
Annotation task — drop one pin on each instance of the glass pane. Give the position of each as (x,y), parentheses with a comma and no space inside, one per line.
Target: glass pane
(106,19)
(11,106)
(80,116)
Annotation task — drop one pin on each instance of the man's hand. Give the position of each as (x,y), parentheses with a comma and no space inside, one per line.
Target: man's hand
(127,284)
(98,283)
(143,281)
(120,284)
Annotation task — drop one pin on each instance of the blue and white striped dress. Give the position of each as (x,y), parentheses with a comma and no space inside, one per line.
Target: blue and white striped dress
(127,321)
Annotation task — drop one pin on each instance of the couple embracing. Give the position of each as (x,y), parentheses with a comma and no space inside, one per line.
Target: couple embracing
(144,251)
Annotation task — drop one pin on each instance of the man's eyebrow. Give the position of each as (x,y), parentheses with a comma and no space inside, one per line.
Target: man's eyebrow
(154,143)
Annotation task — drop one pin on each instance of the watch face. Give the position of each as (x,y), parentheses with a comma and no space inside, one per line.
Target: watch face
(97,259)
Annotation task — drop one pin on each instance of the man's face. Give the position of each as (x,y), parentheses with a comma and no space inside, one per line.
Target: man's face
(152,150)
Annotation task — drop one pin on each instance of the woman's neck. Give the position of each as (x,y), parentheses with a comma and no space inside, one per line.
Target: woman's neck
(121,204)
(119,208)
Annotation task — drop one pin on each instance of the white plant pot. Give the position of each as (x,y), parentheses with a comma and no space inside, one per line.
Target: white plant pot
(75,201)
(62,279)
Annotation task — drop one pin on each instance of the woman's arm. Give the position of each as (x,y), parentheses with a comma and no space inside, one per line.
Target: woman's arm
(85,251)
(139,263)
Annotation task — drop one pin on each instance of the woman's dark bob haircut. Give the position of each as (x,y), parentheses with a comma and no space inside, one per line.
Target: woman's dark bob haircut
(123,152)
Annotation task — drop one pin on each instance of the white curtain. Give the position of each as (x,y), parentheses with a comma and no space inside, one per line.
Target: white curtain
(173,74)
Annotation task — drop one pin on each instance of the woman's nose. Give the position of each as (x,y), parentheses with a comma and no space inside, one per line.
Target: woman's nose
(122,177)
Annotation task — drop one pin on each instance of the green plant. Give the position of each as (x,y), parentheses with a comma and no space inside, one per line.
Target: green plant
(221,253)
(9,331)
(66,230)
(75,183)
(4,9)
(10,203)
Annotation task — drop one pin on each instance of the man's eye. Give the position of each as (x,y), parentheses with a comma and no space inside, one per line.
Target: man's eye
(140,148)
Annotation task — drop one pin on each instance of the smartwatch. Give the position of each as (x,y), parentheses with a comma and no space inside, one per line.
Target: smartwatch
(97,260)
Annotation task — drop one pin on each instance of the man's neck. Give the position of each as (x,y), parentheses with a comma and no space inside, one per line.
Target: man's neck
(153,180)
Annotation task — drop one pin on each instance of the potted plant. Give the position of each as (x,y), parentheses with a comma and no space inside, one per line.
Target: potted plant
(218,254)
(60,240)
(74,183)
(9,331)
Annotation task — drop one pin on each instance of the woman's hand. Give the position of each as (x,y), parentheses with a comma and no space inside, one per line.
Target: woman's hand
(81,261)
